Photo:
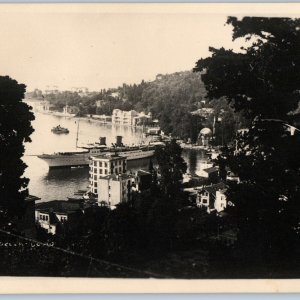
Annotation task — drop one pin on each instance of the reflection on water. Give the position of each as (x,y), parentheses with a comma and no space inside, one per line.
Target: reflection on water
(193,159)
(67,174)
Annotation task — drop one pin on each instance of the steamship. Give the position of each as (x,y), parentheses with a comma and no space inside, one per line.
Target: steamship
(81,158)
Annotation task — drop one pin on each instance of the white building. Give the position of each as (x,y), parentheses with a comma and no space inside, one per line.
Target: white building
(115,189)
(130,118)
(212,197)
(121,117)
(104,165)
(43,218)
(220,201)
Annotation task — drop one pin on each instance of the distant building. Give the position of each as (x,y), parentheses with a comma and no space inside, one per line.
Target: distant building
(43,106)
(130,118)
(212,197)
(104,165)
(142,119)
(115,94)
(204,112)
(70,110)
(100,103)
(120,117)
(205,137)
(102,118)
(153,131)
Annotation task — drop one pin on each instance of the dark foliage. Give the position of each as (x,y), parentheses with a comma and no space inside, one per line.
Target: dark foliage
(262,82)
(15,130)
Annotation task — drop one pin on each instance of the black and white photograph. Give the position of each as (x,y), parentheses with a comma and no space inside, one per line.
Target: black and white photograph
(150,141)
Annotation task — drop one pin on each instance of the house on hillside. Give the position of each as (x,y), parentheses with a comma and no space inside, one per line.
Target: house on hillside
(60,216)
(212,197)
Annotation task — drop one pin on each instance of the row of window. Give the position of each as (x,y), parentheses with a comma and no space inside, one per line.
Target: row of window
(100,164)
(44,217)
(105,164)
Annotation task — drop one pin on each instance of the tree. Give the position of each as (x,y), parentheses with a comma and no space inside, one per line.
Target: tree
(262,81)
(171,168)
(15,129)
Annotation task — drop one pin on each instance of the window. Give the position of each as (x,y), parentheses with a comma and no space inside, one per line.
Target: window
(95,170)
(105,165)
(101,171)
(95,184)
(95,191)
(105,172)
(100,163)
(204,201)
(95,177)
(95,164)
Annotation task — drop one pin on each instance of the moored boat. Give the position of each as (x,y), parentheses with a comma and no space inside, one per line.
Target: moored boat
(81,158)
(58,130)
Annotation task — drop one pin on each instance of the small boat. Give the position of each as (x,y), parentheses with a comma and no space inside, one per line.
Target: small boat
(58,130)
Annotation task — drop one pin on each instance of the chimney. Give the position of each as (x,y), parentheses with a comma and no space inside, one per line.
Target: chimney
(119,141)
(102,140)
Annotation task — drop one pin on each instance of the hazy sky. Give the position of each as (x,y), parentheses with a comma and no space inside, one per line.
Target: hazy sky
(98,49)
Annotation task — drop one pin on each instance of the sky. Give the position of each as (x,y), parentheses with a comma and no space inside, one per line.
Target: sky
(97,48)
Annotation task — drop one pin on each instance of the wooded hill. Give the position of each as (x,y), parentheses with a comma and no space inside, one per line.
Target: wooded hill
(170,98)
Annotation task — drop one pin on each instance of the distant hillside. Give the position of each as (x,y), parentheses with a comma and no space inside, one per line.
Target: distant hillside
(170,98)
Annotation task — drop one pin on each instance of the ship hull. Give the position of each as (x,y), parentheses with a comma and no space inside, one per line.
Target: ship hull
(82,159)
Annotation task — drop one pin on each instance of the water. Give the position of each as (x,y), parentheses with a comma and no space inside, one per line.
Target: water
(62,183)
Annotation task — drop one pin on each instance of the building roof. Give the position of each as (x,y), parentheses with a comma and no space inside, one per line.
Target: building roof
(205,131)
(117,177)
(211,170)
(142,173)
(32,198)
(59,206)
(212,189)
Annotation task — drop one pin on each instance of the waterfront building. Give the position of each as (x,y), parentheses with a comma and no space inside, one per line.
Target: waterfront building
(120,117)
(70,110)
(102,118)
(153,131)
(212,197)
(104,165)
(130,118)
(43,106)
(142,119)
